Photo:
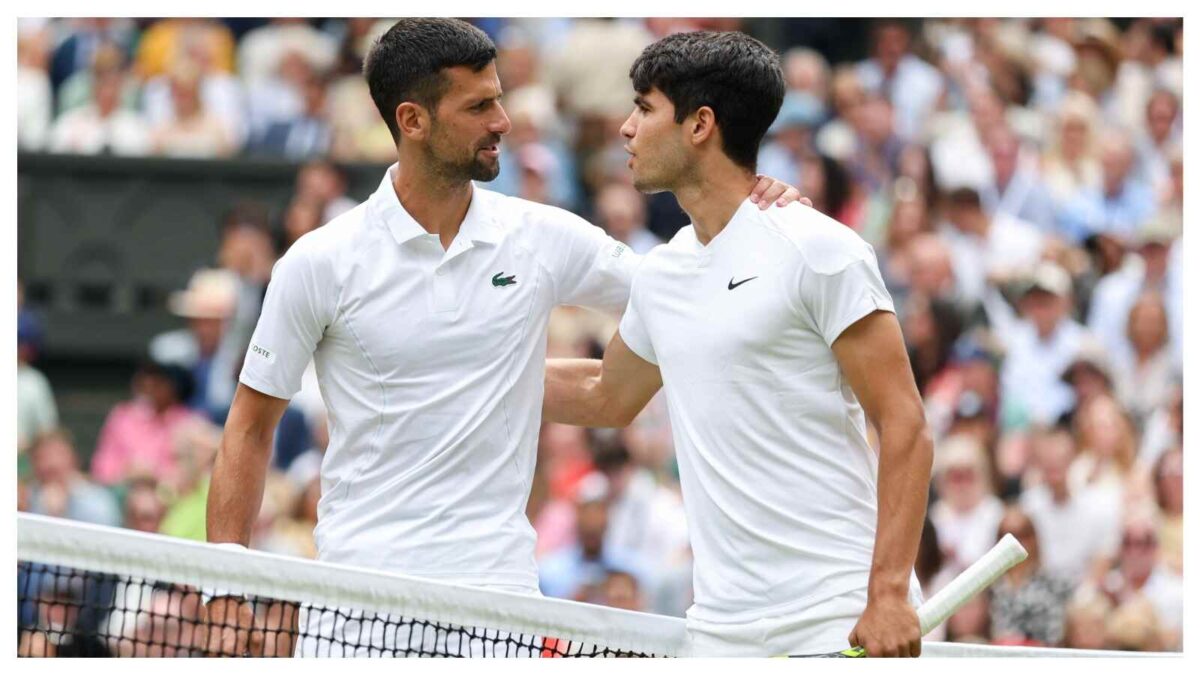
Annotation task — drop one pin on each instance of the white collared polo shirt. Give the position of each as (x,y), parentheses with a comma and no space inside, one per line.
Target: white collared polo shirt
(777,473)
(431,365)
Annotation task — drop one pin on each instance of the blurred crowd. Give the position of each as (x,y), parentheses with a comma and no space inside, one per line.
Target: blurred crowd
(1021,181)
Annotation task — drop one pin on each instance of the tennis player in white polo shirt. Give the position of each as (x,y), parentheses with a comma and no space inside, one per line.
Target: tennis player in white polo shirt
(772,333)
(425,310)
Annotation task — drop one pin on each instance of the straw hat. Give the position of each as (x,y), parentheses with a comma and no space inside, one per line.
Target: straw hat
(210,294)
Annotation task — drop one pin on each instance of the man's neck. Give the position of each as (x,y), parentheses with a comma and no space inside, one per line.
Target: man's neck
(713,197)
(438,205)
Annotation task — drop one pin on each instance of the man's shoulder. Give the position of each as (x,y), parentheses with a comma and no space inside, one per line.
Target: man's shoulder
(343,233)
(514,214)
(821,243)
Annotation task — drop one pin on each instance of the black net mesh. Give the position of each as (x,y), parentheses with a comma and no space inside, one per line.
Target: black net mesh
(78,613)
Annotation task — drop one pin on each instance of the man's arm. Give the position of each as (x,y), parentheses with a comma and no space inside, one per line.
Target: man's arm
(875,363)
(608,393)
(234,499)
(240,471)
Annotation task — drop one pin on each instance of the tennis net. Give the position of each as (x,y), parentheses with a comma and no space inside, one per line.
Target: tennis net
(87,590)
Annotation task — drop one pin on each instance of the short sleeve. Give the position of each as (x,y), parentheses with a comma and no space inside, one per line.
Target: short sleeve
(590,268)
(837,299)
(296,311)
(633,331)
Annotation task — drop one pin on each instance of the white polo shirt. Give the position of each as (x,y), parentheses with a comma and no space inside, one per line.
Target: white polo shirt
(778,477)
(431,364)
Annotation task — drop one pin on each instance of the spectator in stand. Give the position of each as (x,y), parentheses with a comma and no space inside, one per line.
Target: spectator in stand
(578,571)
(987,250)
(220,92)
(79,89)
(35,94)
(1107,460)
(930,329)
(908,220)
(1119,205)
(1089,375)
(789,139)
(1168,495)
(967,511)
(36,410)
(1029,602)
(136,439)
(1155,143)
(972,622)
(280,97)
(207,305)
(621,590)
(1071,165)
(103,126)
(144,508)
(827,184)
(61,490)
(324,183)
(302,215)
(161,45)
(909,83)
(194,131)
(1017,188)
(836,137)
(1150,269)
(1086,620)
(261,50)
(1164,429)
(1146,379)
(309,133)
(647,519)
(194,444)
(1040,346)
(1139,575)
(1077,527)
(877,147)
(359,134)
(80,49)
(621,211)
(806,72)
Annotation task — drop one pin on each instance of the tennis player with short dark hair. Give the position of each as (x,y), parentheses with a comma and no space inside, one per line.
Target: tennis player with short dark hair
(425,309)
(772,333)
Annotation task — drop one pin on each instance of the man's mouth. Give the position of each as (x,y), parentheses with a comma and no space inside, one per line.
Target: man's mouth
(491,150)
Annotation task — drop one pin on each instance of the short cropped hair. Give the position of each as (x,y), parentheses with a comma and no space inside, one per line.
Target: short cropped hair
(406,62)
(737,76)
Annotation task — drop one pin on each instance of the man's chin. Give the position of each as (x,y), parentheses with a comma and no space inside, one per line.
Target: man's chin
(485,173)
(647,187)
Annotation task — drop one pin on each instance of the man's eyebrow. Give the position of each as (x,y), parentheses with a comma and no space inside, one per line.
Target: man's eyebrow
(639,100)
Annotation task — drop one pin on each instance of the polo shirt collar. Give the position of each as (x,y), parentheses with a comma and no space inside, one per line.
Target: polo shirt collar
(478,225)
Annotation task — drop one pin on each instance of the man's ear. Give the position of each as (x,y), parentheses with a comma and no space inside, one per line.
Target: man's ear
(413,121)
(702,125)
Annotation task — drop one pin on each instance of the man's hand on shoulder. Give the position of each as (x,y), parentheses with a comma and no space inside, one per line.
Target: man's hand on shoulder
(769,191)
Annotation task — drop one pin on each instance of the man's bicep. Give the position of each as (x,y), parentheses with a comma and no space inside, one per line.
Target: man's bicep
(255,412)
(873,358)
(628,380)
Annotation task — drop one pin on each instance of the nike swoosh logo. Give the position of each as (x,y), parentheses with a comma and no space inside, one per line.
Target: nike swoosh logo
(733,285)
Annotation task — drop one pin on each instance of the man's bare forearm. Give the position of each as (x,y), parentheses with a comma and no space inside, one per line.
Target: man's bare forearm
(574,395)
(236,491)
(905,459)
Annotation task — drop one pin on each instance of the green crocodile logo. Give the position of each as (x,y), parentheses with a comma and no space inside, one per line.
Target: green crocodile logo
(501,280)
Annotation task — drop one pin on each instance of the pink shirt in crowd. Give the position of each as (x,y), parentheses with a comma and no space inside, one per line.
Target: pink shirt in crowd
(135,440)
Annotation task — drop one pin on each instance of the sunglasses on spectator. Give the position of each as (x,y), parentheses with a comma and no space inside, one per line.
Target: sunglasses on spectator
(1139,542)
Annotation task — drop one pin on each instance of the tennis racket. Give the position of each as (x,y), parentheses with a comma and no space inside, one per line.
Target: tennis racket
(1003,556)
